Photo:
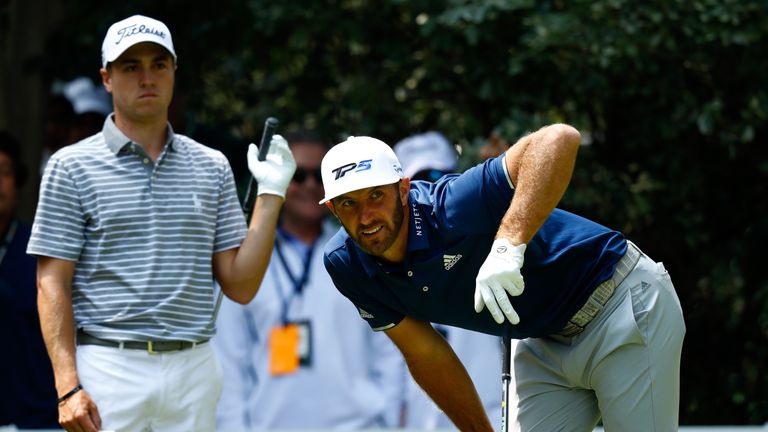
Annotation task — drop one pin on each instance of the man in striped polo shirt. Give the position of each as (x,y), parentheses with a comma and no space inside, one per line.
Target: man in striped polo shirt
(132,225)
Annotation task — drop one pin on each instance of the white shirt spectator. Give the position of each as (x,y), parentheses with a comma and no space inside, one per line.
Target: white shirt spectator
(353,379)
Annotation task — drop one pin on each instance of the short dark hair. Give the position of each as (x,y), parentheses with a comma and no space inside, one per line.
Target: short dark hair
(10,146)
(305,135)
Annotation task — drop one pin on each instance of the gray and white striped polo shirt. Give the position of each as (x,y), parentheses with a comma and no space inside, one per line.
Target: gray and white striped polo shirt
(143,233)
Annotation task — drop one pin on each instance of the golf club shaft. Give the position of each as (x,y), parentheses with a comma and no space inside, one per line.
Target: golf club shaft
(506,375)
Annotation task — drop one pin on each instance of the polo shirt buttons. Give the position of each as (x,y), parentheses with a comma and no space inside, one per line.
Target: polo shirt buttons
(425,288)
(410,273)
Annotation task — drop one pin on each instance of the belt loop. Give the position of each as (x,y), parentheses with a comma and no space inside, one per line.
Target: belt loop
(121,346)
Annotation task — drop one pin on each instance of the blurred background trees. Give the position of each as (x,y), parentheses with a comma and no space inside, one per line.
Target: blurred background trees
(671,97)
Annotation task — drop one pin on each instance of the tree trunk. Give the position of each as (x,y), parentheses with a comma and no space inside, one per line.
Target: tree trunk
(24,29)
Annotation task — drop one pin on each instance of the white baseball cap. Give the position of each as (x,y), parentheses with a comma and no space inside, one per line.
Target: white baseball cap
(359,162)
(130,31)
(430,150)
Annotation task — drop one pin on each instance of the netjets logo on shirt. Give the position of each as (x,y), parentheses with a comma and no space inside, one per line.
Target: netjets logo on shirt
(364,314)
(450,260)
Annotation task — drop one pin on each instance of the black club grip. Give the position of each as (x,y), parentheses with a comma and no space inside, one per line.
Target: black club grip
(270,127)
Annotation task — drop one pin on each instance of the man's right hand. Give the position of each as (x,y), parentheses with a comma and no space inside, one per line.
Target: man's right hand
(79,414)
(498,276)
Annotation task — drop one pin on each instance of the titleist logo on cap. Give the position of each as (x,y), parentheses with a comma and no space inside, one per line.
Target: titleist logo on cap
(137,29)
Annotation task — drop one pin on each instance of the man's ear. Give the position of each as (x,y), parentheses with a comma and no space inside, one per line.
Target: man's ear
(106,80)
(404,188)
(329,204)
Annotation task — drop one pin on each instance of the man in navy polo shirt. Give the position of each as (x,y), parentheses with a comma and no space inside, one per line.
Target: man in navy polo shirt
(600,325)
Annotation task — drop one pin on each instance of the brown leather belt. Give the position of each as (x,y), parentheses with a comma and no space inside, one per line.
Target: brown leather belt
(602,293)
(152,347)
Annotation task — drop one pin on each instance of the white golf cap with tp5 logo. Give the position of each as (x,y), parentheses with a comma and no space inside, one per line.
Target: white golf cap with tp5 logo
(358,163)
(130,31)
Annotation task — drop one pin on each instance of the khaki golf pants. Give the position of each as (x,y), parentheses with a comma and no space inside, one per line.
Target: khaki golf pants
(624,367)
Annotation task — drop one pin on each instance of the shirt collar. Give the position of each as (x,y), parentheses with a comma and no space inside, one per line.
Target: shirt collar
(116,139)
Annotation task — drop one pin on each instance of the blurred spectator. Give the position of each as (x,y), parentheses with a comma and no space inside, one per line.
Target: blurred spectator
(429,156)
(91,104)
(28,398)
(495,146)
(298,356)
(59,120)
(75,110)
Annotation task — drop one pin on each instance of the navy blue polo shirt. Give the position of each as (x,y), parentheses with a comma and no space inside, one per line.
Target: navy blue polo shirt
(28,399)
(452,226)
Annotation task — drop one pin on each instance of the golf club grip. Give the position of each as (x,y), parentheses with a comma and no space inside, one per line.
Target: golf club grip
(270,126)
(506,346)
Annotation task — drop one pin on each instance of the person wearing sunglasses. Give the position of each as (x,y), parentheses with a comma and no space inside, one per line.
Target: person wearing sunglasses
(302,174)
(299,347)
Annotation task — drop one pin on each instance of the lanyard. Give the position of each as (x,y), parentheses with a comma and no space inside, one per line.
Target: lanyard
(298,281)
(8,239)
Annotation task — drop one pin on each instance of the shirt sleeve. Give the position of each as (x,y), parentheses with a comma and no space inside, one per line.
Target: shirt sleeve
(58,228)
(373,311)
(230,222)
(475,201)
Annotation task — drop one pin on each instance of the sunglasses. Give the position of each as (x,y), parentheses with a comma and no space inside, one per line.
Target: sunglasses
(302,174)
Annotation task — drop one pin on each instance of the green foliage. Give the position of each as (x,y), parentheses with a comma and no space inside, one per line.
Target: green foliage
(671,97)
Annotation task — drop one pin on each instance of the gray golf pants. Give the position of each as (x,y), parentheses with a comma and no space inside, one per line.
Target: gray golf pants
(624,366)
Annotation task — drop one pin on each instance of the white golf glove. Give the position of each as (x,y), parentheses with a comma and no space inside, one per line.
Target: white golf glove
(499,275)
(275,173)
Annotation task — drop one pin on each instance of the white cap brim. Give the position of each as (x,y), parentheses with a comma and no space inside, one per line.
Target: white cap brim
(362,185)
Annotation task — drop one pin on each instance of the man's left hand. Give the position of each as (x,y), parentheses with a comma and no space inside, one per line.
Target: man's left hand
(273,174)
(499,275)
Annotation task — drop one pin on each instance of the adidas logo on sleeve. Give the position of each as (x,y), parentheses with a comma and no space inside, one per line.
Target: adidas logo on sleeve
(364,314)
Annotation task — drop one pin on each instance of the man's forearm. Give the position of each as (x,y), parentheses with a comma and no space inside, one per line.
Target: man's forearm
(447,382)
(435,367)
(57,324)
(240,274)
(541,166)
